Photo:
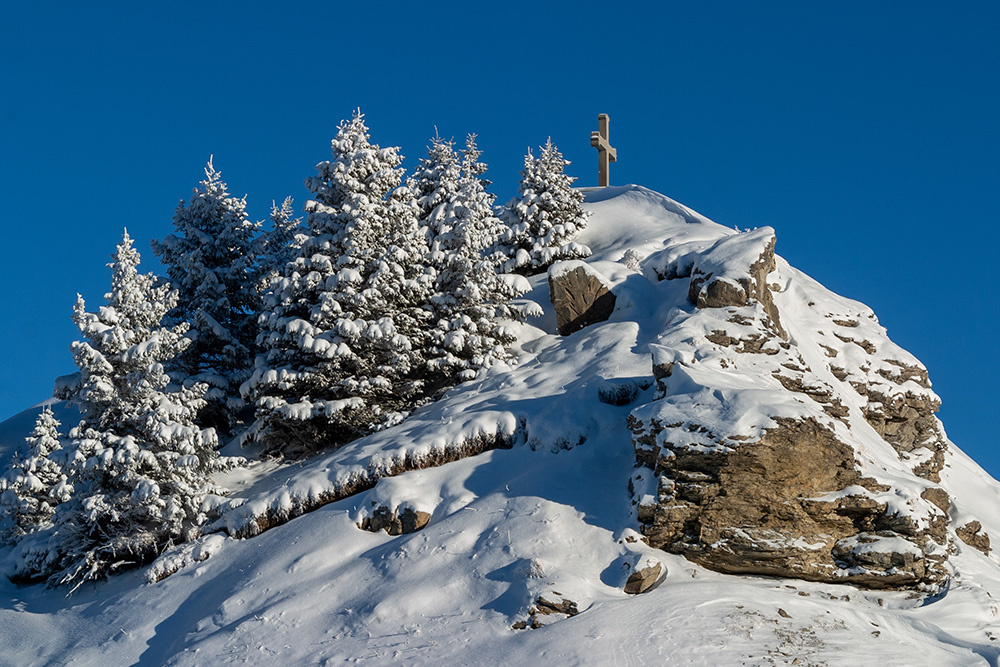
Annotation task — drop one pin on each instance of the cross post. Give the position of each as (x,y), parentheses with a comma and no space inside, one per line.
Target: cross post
(606,153)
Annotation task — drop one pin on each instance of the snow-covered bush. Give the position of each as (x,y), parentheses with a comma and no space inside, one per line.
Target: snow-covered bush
(343,328)
(211,261)
(545,216)
(35,483)
(140,467)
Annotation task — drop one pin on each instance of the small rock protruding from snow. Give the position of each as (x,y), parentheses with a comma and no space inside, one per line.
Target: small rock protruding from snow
(402,521)
(973,534)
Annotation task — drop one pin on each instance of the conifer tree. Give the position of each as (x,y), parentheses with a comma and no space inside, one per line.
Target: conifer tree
(280,244)
(343,327)
(35,483)
(141,466)
(546,214)
(471,300)
(211,261)
(434,182)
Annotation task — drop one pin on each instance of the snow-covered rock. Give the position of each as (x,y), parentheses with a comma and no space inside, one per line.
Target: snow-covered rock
(579,294)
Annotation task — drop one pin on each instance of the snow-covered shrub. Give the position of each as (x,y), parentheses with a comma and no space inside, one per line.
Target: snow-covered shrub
(632,259)
(343,328)
(211,261)
(545,216)
(140,467)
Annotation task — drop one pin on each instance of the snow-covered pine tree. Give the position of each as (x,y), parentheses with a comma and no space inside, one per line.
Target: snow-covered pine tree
(471,300)
(280,244)
(141,466)
(35,482)
(211,261)
(434,182)
(546,214)
(343,328)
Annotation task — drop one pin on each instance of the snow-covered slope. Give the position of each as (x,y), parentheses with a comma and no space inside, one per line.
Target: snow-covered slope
(525,476)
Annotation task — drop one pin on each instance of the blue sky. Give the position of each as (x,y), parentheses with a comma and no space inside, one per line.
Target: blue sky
(864,133)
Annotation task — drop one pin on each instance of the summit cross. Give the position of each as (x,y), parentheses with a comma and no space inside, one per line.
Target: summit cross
(606,153)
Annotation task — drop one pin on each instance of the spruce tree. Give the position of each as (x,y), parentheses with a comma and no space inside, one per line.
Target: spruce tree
(434,182)
(36,482)
(141,466)
(546,214)
(344,327)
(280,244)
(471,300)
(211,261)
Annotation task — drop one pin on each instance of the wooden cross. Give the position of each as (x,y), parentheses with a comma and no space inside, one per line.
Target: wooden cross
(605,151)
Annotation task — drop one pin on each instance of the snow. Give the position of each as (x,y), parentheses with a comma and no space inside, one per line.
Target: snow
(549,516)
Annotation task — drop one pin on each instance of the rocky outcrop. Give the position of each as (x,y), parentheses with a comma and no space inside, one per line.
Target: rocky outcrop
(791,504)
(765,453)
(906,419)
(580,295)
(731,272)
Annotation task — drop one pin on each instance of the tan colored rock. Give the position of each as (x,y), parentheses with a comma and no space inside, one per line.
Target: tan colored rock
(972,534)
(939,497)
(907,421)
(544,608)
(753,510)
(400,522)
(411,520)
(580,295)
(643,579)
(708,290)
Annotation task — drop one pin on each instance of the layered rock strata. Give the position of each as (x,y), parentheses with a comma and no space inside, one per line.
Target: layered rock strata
(799,443)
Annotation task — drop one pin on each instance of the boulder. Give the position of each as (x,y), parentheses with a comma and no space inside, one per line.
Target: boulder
(545,611)
(580,295)
(643,579)
(972,534)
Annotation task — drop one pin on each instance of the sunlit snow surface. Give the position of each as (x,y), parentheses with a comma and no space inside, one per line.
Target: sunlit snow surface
(551,517)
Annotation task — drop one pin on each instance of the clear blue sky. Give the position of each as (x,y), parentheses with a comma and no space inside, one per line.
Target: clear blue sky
(864,133)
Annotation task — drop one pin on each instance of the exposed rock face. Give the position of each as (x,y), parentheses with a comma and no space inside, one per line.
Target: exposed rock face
(759,508)
(778,454)
(906,420)
(731,271)
(400,522)
(580,295)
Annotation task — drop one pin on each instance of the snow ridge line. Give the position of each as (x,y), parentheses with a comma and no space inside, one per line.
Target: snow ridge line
(248,520)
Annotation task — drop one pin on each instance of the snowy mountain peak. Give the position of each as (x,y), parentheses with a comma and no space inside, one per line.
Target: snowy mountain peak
(745,448)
